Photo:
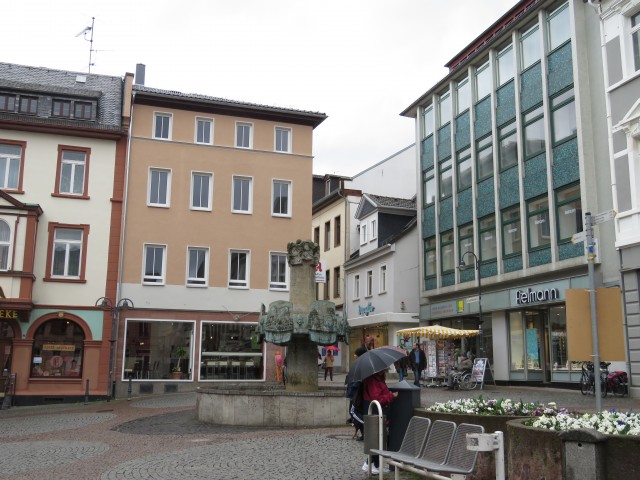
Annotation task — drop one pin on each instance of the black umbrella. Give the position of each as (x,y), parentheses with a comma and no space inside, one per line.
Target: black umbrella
(373,361)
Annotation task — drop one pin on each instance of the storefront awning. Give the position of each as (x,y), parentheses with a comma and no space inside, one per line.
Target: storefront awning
(437,331)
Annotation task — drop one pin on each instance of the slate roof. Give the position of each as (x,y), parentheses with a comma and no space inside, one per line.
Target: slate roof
(107,90)
(312,118)
(393,202)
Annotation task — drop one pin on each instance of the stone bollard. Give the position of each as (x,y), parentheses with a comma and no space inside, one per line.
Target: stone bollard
(584,457)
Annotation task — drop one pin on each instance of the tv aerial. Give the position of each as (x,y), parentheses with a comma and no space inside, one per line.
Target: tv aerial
(84,32)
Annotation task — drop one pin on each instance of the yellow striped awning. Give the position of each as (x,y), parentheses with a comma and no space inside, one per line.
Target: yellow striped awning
(438,331)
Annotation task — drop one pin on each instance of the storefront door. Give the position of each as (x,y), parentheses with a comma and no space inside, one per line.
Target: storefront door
(528,340)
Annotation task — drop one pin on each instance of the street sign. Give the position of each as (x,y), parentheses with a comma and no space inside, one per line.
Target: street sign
(579,237)
(603,217)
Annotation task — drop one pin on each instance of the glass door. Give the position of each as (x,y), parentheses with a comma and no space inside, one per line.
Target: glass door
(527,345)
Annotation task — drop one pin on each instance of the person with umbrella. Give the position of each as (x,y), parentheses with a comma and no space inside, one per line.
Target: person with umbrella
(328,364)
(370,369)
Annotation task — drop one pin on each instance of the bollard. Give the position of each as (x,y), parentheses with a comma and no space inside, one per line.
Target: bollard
(129,387)
(583,455)
(86,393)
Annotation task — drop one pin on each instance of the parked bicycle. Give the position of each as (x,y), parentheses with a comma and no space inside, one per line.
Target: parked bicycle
(464,380)
(613,382)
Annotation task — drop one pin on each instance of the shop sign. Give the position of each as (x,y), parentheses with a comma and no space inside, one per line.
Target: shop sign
(366,310)
(8,314)
(58,347)
(442,309)
(534,296)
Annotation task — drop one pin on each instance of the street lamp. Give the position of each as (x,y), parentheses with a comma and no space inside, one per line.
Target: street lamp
(107,304)
(462,267)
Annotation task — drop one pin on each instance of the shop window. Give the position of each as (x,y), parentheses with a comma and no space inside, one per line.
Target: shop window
(446,179)
(516,340)
(430,257)
(559,351)
(568,212)
(511,235)
(538,221)
(153,349)
(487,238)
(447,252)
(464,169)
(58,347)
(230,351)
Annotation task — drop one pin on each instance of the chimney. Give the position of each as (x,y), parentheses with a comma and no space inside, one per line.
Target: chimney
(139,79)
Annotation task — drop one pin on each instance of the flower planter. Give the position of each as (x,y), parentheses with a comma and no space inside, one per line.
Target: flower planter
(176,375)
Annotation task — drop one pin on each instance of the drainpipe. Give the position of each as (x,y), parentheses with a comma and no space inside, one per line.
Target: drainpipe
(624,325)
(123,229)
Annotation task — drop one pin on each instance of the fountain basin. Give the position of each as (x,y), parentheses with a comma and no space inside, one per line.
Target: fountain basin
(271,407)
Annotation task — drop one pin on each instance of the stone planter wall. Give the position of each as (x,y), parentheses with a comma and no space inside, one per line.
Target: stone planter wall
(537,453)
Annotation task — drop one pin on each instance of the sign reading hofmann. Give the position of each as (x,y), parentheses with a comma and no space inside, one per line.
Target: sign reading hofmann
(534,296)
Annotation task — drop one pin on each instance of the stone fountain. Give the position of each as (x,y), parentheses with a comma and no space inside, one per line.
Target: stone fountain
(300,324)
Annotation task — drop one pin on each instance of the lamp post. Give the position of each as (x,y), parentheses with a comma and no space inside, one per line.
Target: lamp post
(462,267)
(107,304)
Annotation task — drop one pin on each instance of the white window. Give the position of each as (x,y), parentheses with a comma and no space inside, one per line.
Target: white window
(5,245)
(374,230)
(198,266)
(67,252)
(356,287)
(201,190)
(72,172)
(506,65)
(383,278)
(283,139)
(239,269)
(278,272)
(162,126)
(159,187)
(559,27)
(363,233)
(635,39)
(154,264)
(369,285)
(464,95)
(204,131)
(10,156)
(484,85)
(530,47)
(281,198)
(244,135)
(242,201)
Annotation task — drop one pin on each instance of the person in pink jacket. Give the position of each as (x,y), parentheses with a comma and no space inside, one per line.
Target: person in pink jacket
(375,388)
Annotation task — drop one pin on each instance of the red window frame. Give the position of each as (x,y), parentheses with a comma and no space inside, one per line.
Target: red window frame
(23,146)
(53,226)
(85,190)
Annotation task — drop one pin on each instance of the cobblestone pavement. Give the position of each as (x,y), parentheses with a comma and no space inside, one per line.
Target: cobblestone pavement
(160,438)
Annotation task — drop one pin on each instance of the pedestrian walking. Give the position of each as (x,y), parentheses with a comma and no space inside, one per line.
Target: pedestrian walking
(418,361)
(328,365)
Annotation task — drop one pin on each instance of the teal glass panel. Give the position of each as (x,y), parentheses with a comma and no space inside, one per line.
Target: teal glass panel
(509,188)
(444,142)
(531,87)
(463,131)
(566,168)
(464,211)
(482,123)
(429,221)
(535,171)
(446,214)
(570,250)
(448,279)
(506,103)
(467,275)
(426,155)
(560,66)
(486,198)
(431,283)
(489,269)
(512,264)
(540,257)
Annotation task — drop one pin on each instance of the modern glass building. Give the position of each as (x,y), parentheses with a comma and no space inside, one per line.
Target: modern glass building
(513,152)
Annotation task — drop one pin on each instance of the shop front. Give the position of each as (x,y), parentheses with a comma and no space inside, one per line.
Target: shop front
(524,329)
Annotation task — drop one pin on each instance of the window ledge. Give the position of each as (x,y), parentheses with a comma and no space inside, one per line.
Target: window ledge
(64,280)
(68,195)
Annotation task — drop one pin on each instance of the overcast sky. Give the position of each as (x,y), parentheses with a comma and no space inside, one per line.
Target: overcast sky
(361,62)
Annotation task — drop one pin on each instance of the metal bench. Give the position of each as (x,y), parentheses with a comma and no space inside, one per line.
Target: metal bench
(413,441)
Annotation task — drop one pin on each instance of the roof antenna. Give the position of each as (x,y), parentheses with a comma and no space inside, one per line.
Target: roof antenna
(84,32)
